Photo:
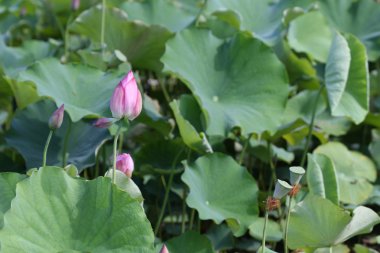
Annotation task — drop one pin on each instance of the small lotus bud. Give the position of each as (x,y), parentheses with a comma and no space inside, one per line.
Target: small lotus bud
(104,122)
(296,174)
(164,249)
(56,118)
(125,164)
(126,100)
(282,188)
(75,5)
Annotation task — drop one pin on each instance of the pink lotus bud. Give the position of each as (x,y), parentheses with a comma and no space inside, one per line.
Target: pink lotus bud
(75,4)
(126,99)
(56,118)
(125,164)
(164,249)
(104,122)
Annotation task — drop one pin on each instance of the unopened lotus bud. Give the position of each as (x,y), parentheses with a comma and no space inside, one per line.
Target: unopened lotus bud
(296,174)
(75,4)
(164,249)
(282,188)
(126,100)
(56,118)
(125,164)
(104,122)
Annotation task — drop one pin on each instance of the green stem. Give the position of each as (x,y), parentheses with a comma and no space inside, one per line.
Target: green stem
(65,144)
(103,26)
(164,90)
(311,126)
(167,191)
(67,36)
(183,211)
(244,149)
(121,142)
(287,225)
(115,153)
(46,147)
(192,219)
(264,231)
(331,249)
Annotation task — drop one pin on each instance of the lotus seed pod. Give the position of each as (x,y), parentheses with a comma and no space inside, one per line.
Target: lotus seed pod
(282,188)
(296,174)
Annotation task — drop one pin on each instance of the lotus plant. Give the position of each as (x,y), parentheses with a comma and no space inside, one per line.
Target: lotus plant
(296,174)
(126,102)
(282,188)
(55,122)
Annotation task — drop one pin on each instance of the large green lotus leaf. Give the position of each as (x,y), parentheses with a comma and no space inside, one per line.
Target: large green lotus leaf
(354,102)
(174,15)
(53,212)
(360,18)
(337,67)
(316,222)
(8,181)
(29,131)
(321,177)
(214,180)
(71,85)
(301,106)
(262,17)
(354,172)
(190,242)
(16,59)
(142,44)
(184,109)
(317,43)
(230,79)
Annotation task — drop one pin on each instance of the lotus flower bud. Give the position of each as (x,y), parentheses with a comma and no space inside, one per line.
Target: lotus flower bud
(296,174)
(56,118)
(104,122)
(75,4)
(164,249)
(126,100)
(125,164)
(282,188)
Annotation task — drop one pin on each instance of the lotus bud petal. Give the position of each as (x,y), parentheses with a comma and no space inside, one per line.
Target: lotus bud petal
(282,188)
(296,174)
(75,4)
(164,249)
(125,164)
(104,122)
(56,118)
(126,100)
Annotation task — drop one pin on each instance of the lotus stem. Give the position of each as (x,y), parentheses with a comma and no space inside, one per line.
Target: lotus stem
(287,224)
(264,231)
(46,147)
(115,153)
(103,26)
(311,126)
